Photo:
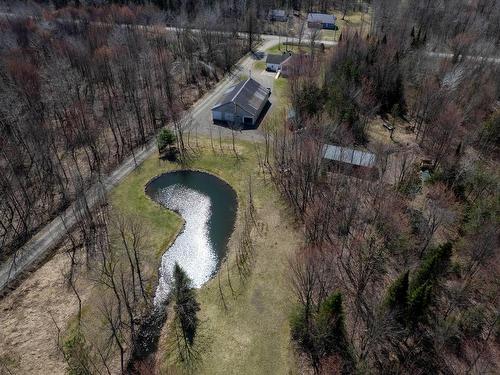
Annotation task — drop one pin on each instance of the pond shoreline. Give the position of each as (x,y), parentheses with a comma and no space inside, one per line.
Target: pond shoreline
(146,343)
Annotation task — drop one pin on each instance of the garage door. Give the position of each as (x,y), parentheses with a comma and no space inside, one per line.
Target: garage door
(217,115)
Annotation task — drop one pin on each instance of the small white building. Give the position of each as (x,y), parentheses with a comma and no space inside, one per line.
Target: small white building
(274,62)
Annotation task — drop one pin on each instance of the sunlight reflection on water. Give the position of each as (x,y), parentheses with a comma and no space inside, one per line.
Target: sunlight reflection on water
(192,249)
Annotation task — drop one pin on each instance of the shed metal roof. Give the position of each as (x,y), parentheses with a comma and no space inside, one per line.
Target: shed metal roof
(348,155)
(321,18)
(249,95)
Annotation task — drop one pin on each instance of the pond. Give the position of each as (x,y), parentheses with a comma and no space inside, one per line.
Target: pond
(208,206)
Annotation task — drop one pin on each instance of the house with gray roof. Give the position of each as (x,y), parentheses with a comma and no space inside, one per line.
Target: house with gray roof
(242,104)
(321,21)
(274,62)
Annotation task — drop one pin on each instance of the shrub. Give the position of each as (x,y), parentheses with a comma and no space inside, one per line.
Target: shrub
(472,322)
(76,353)
(166,139)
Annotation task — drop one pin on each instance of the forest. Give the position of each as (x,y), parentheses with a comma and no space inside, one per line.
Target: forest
(398,274)
(77,98)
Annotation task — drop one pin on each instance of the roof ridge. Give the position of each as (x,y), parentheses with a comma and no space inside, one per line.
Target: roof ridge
(241,88)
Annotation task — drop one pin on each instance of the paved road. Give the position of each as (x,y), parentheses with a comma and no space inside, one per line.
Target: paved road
(48,237)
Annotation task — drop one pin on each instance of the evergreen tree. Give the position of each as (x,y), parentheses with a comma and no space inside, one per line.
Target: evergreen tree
(419,301)
(166,139)
(324,333)
(186,305)
(423,284)
(397,295)
(434,265)
(330,325)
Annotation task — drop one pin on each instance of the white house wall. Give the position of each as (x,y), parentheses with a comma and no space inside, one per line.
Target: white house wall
(273,67)
(229,111)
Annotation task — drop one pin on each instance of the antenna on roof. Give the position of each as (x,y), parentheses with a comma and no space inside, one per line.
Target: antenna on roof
(249,73)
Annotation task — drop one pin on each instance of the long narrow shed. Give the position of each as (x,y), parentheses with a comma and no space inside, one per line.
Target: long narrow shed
(349,156)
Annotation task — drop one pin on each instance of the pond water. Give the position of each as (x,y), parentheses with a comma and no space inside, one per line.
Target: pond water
(208,206)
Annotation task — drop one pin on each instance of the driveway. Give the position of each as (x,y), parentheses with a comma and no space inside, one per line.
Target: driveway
(201,115)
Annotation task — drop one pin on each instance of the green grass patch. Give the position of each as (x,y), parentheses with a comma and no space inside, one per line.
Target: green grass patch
(252,335)
(329,35)
(281,48)
(281,104)
(259,65)
(356,21)
(129,198)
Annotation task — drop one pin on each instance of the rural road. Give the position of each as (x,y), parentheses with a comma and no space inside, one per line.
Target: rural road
(48,237)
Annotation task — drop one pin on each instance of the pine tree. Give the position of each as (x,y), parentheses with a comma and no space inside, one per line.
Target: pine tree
(330,325)
(434,266)
(324,334)
(419,301)
(397,295)
(423,284)
(186,305)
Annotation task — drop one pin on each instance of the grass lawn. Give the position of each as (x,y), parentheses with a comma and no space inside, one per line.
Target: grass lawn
(130,199)
(281,104)
(281,47)
(252,335)
(259,65)
(355,21)
(329,35)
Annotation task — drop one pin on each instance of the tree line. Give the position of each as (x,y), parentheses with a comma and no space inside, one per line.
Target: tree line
(79,97)
(397,274)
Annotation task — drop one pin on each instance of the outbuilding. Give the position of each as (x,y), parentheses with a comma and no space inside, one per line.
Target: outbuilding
(321,21)
(350,161)
(242,104)
(277,15)
(274,62)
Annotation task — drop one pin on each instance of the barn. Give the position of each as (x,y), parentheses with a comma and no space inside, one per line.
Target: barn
(242,104)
